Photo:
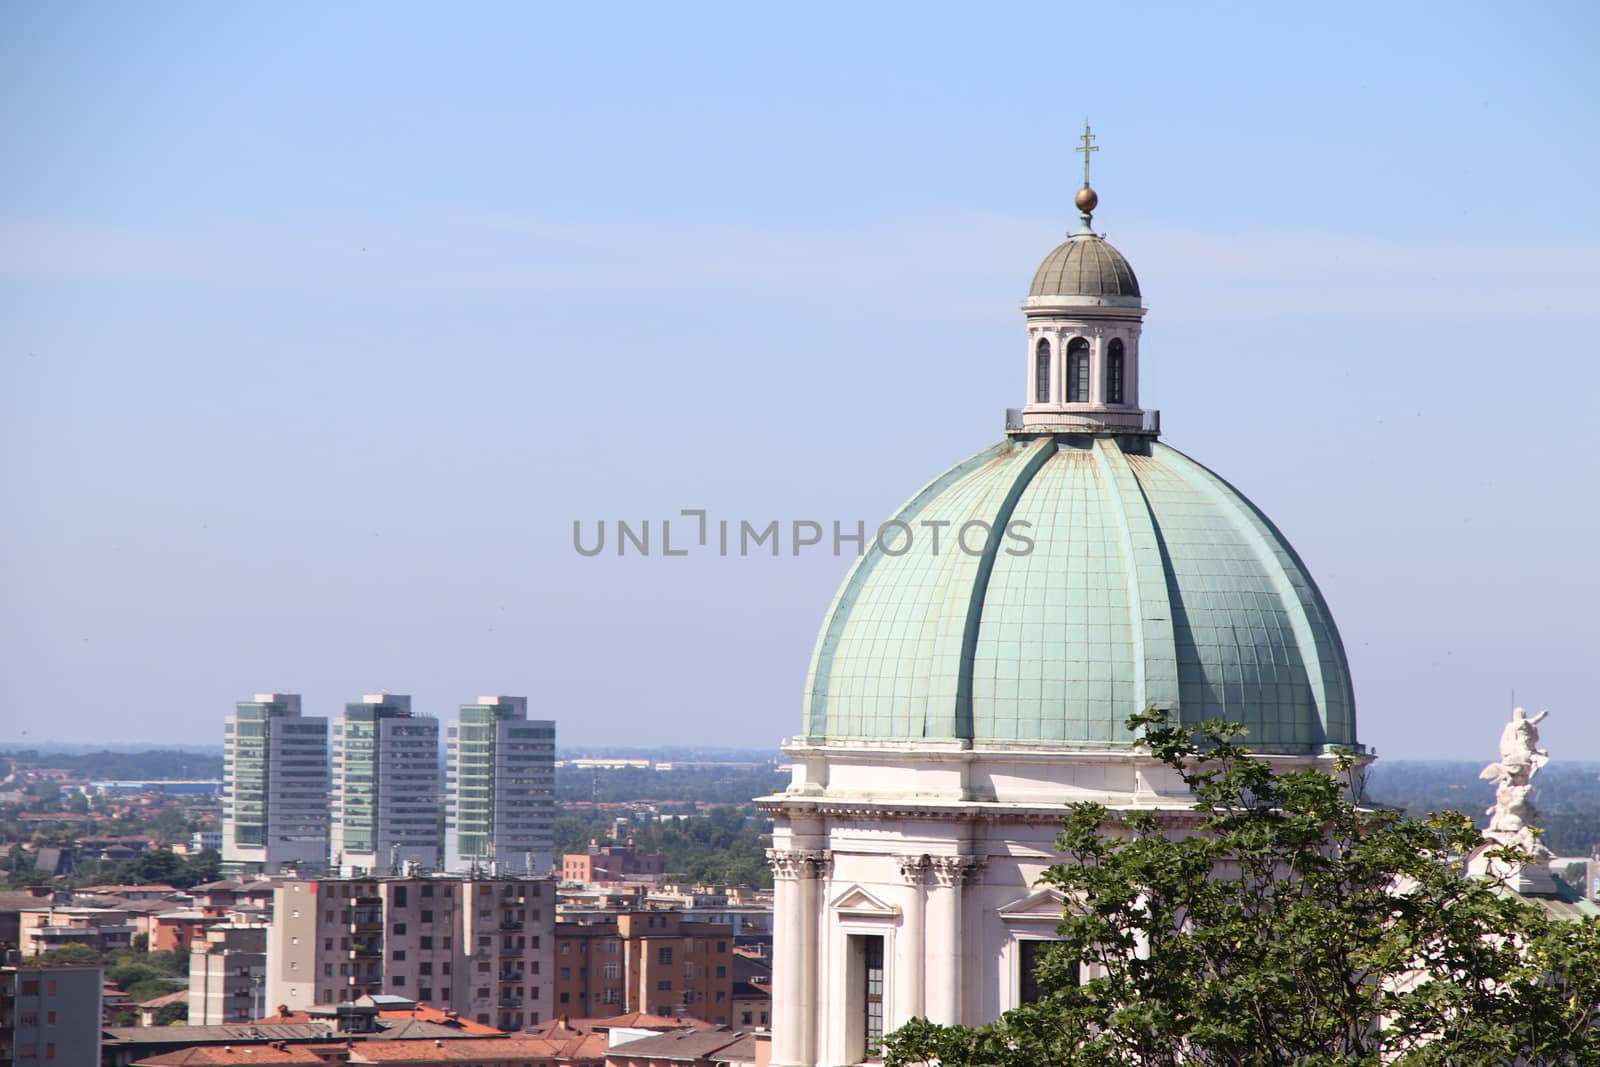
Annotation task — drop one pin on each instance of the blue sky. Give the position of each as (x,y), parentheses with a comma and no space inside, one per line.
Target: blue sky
(321,325)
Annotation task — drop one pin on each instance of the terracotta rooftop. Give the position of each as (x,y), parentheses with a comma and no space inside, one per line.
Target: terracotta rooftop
(487,1051)
(227,1054)
(689,1045)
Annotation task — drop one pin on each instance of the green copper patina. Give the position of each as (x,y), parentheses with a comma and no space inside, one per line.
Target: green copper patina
(1150,581)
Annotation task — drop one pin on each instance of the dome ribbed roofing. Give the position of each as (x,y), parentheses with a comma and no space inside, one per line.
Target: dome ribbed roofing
(1150,581)
(1085,265)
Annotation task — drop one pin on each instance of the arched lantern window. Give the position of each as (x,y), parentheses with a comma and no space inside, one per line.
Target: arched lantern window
(1077,371)
(1041,372)
(1114,364)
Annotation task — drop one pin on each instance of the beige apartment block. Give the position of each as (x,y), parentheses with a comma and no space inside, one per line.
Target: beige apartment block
(478,946)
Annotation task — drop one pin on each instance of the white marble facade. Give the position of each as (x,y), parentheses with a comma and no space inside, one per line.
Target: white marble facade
(937,850)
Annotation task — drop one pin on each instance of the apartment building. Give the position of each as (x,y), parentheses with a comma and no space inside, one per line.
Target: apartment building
(479,946)
(274,787)
(651,961)
(227,976)
(50,927)
(49,1014)
(387,789)
(500,789)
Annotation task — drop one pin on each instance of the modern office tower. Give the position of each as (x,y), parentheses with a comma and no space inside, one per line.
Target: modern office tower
(500,814)
(274,787)
(387,793)
(479,946)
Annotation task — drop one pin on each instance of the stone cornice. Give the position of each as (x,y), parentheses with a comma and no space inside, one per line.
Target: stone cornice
(783,807)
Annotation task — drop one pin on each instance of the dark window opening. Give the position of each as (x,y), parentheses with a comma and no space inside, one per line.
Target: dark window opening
(1077,371)
(872,1003)
(1114,372)
(1041,373)
(1029,956)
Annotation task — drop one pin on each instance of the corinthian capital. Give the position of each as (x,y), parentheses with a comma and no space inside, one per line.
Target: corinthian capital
(914,869)
(799,862)
(954,870)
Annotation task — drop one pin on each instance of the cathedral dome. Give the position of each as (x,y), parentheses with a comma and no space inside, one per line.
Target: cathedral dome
(1085,264)
(1148,580)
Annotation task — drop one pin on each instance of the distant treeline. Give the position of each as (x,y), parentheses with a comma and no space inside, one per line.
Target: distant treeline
(712,785)
(1566,793)
(108,765)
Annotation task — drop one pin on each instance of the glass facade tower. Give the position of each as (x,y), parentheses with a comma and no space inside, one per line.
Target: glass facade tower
(501,788)
(387,812)
(274,787)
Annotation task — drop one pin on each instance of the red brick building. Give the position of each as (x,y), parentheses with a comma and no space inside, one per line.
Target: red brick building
(650,961)
(611,863)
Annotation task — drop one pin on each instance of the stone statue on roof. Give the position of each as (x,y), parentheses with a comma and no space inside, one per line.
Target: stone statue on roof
(1511,817)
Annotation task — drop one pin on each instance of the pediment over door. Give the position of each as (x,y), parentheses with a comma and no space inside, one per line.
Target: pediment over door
(1044,906)
(859,903)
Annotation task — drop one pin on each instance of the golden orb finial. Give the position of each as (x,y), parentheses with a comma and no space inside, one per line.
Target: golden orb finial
(1086,199)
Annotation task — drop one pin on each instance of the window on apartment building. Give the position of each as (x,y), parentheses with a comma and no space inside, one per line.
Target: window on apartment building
(427,915)
(425,993)
(722,972)
(49,1050)
(327,916)
(399,955)
(746,1018)
(611,970)
(665,985)
(483,992)
(447,943)
(611,947)
(722,946)
(28,1018)
(426,941)
(564,998)
(400,896)
(30,987)
(484,890)
(397,980)
(483,1017)
(49,1018)
(424,968)
(566,974)
(721,996)
(399,929)
(483,942)
(535,967)
(427,890)
(327,970)
(664,957)
(566,948)
(484,966)
(327,944)
(444,968)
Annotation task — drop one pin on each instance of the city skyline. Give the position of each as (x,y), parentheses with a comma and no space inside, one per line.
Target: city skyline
(323,341)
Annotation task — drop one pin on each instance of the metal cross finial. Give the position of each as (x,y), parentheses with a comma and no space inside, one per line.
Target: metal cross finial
(1088,146)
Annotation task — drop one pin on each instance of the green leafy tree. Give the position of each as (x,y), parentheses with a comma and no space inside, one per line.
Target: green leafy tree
(1292,927)
(170,1014)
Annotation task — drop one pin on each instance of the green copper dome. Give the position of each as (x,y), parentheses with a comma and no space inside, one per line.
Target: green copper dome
(1150,581)
(1085,265)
